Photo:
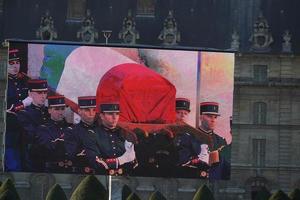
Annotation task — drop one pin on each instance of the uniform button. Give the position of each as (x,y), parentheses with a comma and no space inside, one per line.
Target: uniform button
(18,89)
(16,83)
(110,135)
(60,128)
(20,100)
(19,95)
(114,147)
(114,154)
(113,141)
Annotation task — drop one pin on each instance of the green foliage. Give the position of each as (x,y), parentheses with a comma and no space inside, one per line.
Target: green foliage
(56,192)
(203,193)
(89,189)
(8,190)
(133,196)
(279,195)
(126,191)
(295,194)
(263,194)
(157,196)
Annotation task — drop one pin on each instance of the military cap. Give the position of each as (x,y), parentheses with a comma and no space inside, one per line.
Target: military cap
(109,107)
(87,102)
(37,85)
(56,101)
(211,108)
(183,104)
(13,55)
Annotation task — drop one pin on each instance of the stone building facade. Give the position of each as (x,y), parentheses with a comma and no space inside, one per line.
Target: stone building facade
(266,114)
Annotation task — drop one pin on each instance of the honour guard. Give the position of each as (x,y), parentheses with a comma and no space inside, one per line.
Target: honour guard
(76,136)
(182,109)
(17,91)
(17,99)
(109,151)
(48,151)
(31,117)
(209,112)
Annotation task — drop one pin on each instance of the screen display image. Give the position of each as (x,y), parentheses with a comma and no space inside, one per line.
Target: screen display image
(118,111)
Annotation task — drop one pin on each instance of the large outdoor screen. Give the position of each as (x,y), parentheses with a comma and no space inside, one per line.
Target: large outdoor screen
(118,111)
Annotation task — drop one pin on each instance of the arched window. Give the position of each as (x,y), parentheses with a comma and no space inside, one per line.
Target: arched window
(260,113)
(259,185)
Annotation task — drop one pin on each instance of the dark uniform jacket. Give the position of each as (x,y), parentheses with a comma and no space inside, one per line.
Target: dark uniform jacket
(48,151)
(107,144)
(29,119)
(17,90)
(188,148)
(220,170)
(75,139)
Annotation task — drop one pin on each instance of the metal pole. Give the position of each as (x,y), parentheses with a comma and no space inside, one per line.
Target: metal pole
(109,187)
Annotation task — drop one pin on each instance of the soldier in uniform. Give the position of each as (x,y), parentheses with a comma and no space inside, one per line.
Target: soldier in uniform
(76,135)
(17,99)
(17,90)
(182,109)
(109,152)
(209,112)
(31,117)
(48,150)
(192,150)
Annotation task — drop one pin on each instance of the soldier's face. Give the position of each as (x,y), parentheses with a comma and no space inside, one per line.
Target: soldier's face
(208,122)
(57,113)
(87,115)
(13,67)
(109,120)
(181,115)
(38,98)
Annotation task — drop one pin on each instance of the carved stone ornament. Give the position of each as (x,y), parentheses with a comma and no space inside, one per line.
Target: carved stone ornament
(129,34)
(235,42)
(46,30)
(170,35)
(87,32)
(287,45)
(261,37)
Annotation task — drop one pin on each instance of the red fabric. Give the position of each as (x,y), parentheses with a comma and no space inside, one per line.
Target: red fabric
(144,95)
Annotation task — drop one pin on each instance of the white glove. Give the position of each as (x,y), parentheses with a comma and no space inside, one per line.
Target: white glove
(129,154)
(10,110)
(27,101)
(204,155)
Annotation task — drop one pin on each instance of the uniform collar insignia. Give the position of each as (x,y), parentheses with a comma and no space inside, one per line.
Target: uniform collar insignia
(210,132)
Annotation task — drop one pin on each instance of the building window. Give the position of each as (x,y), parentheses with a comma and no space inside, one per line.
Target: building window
(259,184)
(260,113)
(145,8)
(259,151)
(76,9)
(260,73)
